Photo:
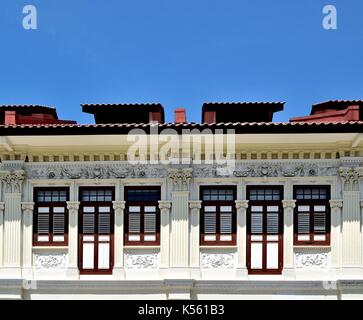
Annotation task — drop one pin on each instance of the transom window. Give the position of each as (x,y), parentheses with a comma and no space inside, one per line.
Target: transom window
(312,215)
(265,194)
(142,225)
(50,217)
(218,218)
(97,195)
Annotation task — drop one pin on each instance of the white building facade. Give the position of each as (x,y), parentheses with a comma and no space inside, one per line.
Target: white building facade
(79,221)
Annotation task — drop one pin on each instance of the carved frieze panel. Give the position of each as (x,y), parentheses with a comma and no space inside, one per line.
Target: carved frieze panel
(210,260)
(50,261)
(140,261)
(312,259)
(94,171)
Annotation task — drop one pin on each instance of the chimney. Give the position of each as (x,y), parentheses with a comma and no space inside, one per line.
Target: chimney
(180,116)
(10,117)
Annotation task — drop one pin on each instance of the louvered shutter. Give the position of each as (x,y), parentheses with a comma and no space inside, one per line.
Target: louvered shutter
(210,223)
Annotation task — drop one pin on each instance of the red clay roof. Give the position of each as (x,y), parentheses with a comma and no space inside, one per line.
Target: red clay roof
(240,128)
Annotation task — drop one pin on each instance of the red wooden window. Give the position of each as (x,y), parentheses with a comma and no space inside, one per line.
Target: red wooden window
(96,230)
(50,217)
(218,216)
(312,215)
(142,216)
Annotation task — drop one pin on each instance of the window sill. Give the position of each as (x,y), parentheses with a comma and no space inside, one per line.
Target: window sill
(319,246)
(211,247)
(141,247)
(40,248)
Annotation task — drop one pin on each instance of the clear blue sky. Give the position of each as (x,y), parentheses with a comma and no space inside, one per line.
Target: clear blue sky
(180,53)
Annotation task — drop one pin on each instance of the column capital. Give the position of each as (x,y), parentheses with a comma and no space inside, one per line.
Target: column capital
(119,205)
(195,204)
(241,204)
(73,205)
(180,178)
(164,206)
(336,203)
(350,177)
(289,204)
(27,207)
(12,180)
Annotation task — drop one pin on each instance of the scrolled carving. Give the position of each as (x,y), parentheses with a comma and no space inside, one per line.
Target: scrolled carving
(50,261)
(27,207)
(241,204)
(141,261)
(12,180)
(311,260)
(73,206)
(119,206)
(180,178)
(336,204)
(289,204)
(217,260)
(164,206)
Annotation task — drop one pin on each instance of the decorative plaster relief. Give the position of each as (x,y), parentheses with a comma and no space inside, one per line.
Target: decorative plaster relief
(217,260)
(50,261)
(93,171)
(312,259)
(141,260)
(181,176)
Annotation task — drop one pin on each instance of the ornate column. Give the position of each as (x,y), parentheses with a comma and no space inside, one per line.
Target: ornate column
(72,268)
(289,206)
(118,269)
(241,206)
(195,207)
(12,183)
(2,208)
(28,209)
(352,246)
(164,207)
(179,244)
(335,234)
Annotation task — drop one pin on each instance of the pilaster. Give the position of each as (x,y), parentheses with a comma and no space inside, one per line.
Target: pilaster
(118,269)
(12,186)
(194,207)
(241,206)
(352,246)
(72,268)
(164,207)
(28,209)
(336,234)
(288,268)
(2,208)
(179,243)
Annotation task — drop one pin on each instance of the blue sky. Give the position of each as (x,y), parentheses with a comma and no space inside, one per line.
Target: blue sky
(180,53)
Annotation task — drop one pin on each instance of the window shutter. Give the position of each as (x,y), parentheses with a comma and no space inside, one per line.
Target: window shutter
(104,223)
(150,219)
(210,220)
(303,220)
(43,223)
(134,219)
(319,219)
(88,223)
(226,220)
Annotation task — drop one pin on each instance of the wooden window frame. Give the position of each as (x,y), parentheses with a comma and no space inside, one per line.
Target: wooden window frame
(265,204)
(142,204)
(311,203)
(96,204)
(51,205)
(218,204)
